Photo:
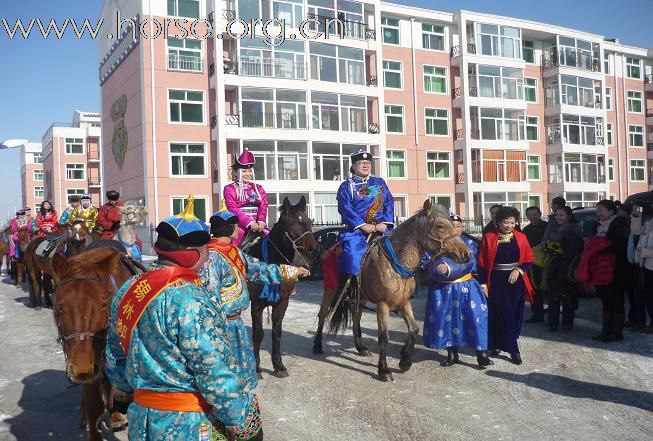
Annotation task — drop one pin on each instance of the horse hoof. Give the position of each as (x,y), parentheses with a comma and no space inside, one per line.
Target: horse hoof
(281,374)
(405,366)
(386,376)
(38,308)
(259,375)
(364,352)
(318,350)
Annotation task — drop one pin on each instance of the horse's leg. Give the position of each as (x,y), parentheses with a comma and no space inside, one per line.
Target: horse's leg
(20,269)
(278,312)
(324,310)
(33,288)
(413,330)
(382,316)
(93,408)
(358,334)
(46,289)
(257,333)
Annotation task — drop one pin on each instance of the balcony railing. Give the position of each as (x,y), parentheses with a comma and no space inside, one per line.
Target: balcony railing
(230,67)
(93,181)
(648,79)
(460,178)
(578,58)
(232,120)
(458,134)
(649,146)
(354,30)
(599,141)
(372,81)
(186,63)
(457,92)
(211,69)
(214,121)
(266,120)
(601,179)
(649,112)
(93,155)
(258,67)
(456,50)
(373,128)
(229,14)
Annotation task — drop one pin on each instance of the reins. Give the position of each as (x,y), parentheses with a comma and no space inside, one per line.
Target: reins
(296,248)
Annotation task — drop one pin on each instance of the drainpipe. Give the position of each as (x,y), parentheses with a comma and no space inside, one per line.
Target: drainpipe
(412,49)
(617,131)
(626,133)
(152,91)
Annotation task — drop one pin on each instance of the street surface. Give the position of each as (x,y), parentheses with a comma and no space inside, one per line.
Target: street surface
(569,387)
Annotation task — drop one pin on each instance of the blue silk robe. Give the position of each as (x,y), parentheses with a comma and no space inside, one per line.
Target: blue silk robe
(180,344)
(361,201)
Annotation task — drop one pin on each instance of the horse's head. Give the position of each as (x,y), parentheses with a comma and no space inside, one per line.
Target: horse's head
(298,228)
(439,235)
(79,231)
(85,287)
(132,214)
(23,238)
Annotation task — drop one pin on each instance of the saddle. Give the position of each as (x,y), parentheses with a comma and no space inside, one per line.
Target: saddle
(131,264)
(45,248)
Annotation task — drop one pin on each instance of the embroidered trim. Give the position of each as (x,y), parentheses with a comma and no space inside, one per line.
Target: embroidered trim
(252,425)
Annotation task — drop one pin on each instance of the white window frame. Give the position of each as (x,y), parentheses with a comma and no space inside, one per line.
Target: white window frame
(434,118)
(609,140)
(70,144)
(608,98)
(204,107)
(404,160)
(630,65)
(179,62)
(386,25)
(402,116)
(38,189)
(434,76)
(206,198)
(177,7)
(407,210)
(38,170)
(388,70)
(74,192)
(611,167)
(537,99)
(537,195)
(432,32)
(83,169)
(633,100)
(539,167)
(537,126)
(633,167)
(436,161)
(433,199)
(37,158)
(203,155)
(631,133)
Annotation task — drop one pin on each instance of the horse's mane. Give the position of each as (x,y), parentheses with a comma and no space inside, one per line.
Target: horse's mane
(95,261)
(417,224)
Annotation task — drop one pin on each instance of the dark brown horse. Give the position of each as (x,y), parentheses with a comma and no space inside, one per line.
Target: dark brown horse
(86,284)
(290,242)
(18,264)
(73,240)
(428,230)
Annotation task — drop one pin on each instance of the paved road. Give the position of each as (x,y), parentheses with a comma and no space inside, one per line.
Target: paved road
(569,387)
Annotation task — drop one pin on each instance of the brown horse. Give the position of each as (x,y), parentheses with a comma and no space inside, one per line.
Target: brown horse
(4,249)
(86,284)
(290,242)
(72,241)
(18,264)
(428,230)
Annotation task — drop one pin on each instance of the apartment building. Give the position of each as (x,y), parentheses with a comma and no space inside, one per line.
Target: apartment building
(467,109)
(71,160)
(31,175)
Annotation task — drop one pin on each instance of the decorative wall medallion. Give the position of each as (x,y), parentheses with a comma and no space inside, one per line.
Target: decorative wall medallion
(119,140)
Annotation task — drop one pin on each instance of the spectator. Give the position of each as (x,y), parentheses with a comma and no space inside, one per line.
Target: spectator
(644,253)
(492,225)
(636,320)
(534,232)
(557,202)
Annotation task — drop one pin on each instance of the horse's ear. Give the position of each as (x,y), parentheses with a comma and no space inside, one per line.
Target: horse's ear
(427,207)
(60,266)
(110,263)
(285,205)
(302,204)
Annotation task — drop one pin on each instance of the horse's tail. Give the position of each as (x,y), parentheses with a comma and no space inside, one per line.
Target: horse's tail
(343,307)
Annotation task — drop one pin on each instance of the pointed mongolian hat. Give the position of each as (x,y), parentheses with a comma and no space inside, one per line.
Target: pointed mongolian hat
(245,160)
(361,155)
(184,228)
(220,219)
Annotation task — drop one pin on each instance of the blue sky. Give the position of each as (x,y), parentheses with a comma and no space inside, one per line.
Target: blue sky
(43,81)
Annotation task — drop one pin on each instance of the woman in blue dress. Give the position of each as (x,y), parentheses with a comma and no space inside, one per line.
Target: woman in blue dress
(456,308)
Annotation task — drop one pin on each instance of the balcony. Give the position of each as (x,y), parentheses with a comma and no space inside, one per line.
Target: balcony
(185,63)
(372,81)
(574,58)
(460,178)
(458,92)
(92,156)
(373,128)
(648,82)
(354,30)
(266,120)
(649,146)
(257,67)
(94,181)
(229,14)
(456,50)
(649,112)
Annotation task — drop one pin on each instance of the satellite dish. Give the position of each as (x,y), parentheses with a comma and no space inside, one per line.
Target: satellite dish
(12,143)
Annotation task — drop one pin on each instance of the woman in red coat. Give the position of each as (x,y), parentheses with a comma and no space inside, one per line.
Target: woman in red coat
(46,219)
(503,261)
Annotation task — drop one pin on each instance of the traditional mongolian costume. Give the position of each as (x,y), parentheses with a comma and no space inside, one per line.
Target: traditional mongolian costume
(87,212)
(70,213)
(225,274)
(46,221)
(109,215)
(168,344)
(456,308)
(20,222)
(247,200)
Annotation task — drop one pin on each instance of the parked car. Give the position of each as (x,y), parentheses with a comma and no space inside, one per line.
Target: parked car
(326,237)
(586,220)
(645,197)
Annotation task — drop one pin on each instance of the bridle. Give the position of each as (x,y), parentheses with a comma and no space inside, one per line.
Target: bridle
(296,248)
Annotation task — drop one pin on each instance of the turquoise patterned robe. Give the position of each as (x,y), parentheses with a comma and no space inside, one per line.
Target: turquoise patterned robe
(223,280)
(180,344)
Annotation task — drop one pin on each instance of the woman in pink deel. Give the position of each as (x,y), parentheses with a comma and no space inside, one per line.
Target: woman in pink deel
(245,198)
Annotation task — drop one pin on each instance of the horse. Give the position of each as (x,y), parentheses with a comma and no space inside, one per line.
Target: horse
(18,264)
(380,283)
(73,241)
(4,249)
(132,215)
(290,242)
(86,284)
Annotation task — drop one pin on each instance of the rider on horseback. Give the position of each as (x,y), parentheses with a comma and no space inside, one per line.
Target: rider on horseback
(46,220)
(367,208)
(20,222)
(246,199)
(87,212)
(70,213)
(109,215)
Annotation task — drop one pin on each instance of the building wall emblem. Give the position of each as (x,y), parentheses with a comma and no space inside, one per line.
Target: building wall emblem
(119,140)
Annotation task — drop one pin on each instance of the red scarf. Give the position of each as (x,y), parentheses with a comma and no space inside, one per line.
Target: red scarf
(488,253)
(230,252)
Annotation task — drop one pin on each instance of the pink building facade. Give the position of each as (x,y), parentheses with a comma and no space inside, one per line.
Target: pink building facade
(71,160)
(466,109)
(31,174)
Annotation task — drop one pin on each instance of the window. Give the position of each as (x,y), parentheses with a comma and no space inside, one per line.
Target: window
(636,136)
(496,82)
(338,112)
(435,79)
(634,101)
(582,168)
(530,90)
(606,64)
(38,175)
(37,208)
(498,166)
(74,191)
(186,106)
(331,63)
(532,128)
(633,68)
(185,8)
(533,168)
(394,119)
(74,146)
(438,165)
(38,158)
(401,209)
(611,169)
(184,54)
(187,159)
(74,171)
(637,170)
(290,11)
(437,121)
(392,74)
(38,192)
(432,37)
(498,41)
(495,124)
(577,91)
(534,201)
(444,200)
(528,51)
(278,160)
(179,204)
(575,130)
(325,210)
(396,163)
(285,60)
(608,133)
(608,98)
(331,161)
(390,29)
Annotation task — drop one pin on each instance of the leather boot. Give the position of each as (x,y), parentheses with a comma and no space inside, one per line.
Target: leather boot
(483,359)
(605,327)
(452,356)
(516,358)
(616,327)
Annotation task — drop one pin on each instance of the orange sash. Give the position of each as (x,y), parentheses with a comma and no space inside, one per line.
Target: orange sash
(142,292)
(231,253)
(171,401)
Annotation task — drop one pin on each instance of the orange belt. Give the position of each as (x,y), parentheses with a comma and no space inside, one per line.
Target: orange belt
(464,278)
(171,401)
